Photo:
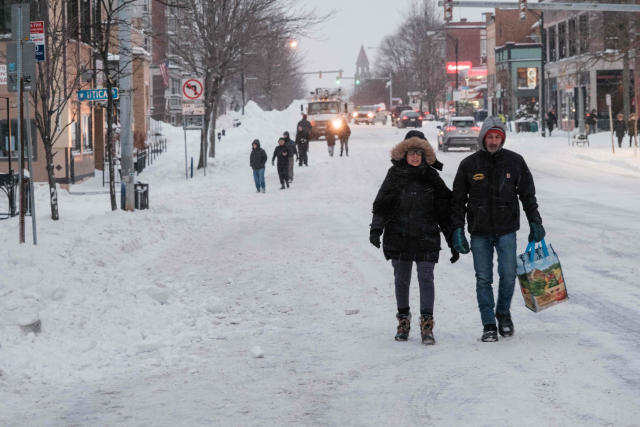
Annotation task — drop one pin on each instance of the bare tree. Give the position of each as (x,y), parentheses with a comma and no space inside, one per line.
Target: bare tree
(221,34)
(612,37)
(414,54)
(105,46)
(272,73)
(56,82)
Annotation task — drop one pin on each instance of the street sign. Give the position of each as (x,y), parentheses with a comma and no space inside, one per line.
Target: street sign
(20,17)
(28,66)
(193,122)
(97,94)
(37,37)
(192,109)
(192,89)
(3,74)
(608,97)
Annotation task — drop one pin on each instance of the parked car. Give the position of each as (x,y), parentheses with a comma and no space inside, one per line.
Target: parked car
(459,132)
(409,118)
(369,114)
(396,111)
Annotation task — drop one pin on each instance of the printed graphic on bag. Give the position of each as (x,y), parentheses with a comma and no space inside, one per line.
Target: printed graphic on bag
(541,282)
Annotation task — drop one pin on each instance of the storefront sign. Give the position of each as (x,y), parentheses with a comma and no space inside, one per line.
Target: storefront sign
(462,65)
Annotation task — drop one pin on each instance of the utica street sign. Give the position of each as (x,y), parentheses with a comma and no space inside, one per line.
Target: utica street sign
(97,94)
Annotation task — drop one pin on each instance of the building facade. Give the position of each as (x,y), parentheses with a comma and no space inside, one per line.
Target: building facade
(577,71)
(80,148)
(466,63)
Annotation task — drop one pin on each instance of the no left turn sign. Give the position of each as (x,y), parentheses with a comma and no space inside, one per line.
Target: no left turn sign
(192,89)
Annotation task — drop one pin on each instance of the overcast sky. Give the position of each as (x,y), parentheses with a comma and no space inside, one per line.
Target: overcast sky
(335,44)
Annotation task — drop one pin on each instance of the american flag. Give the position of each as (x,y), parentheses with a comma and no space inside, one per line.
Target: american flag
(164,70)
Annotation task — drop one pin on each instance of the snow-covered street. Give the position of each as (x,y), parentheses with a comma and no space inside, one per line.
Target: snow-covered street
(220,306)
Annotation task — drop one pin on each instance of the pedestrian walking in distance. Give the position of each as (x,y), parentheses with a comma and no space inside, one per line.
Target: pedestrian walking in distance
(257,161)
(345,133)
(303,135)
(412,208)
(486,189)
(282,154)
(632,129)
(293,151)
(620,128)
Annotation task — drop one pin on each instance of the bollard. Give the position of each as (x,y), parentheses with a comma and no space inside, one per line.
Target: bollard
(192,167)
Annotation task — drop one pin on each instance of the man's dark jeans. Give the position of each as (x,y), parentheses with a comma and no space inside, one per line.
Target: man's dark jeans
(482,247)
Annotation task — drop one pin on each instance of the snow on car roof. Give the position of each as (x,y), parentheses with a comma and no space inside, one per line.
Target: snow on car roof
(462,118)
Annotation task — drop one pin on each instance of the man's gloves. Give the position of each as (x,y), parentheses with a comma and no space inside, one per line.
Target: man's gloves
(374,237)
(455,255)
(460,243)
(536,232)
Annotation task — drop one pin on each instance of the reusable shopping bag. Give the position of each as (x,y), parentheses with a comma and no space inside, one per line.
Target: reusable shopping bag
(540,276)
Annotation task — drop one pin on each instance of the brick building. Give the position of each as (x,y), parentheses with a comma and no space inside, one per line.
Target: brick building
(466,52)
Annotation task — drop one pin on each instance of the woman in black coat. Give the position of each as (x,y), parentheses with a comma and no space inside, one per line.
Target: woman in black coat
(620,128)
(412,208)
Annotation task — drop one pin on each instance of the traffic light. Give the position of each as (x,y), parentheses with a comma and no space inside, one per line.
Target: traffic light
(448,10)
(523,9)
(340,74)
(357,81)
(319,74)
(338,80)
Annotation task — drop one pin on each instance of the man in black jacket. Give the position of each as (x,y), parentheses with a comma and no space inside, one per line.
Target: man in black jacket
(289,143)
(303,135)
(282,152)
(257,160)
(486,188)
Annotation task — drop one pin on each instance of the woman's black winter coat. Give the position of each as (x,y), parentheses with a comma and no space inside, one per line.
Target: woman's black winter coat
(412,208)
(620,128)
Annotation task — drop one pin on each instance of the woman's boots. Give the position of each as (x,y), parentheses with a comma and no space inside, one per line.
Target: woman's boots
(426,329)
(404,326)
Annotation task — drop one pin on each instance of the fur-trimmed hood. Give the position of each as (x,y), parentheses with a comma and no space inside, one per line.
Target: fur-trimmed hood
(399,152)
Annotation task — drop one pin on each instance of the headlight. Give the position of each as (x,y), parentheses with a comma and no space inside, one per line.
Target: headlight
(355,115)
(336,123)
(370,115)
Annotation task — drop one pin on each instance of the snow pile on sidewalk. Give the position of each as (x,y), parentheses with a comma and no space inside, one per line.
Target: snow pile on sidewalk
(88,279)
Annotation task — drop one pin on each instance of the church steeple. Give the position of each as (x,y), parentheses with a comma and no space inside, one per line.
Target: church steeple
(362,65)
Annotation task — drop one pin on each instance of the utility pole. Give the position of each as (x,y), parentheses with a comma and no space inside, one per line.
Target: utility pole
(126,134)
(543,60)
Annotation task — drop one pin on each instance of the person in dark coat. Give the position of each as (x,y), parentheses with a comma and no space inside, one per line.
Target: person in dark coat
(591,121)
(344,135)
(620,128)
(289,143)
(552,121)
(282,153)
(257,160)
(303,135)
(411,209)
(486,189)
(632,129)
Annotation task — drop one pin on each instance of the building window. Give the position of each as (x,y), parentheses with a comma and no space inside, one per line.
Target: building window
(175,87)
(5,17)
(573,39)
(4,139)
(85,13)
(87,140)
(527,78)
(72,19)
(583,23)
(551,42)
(562,40)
